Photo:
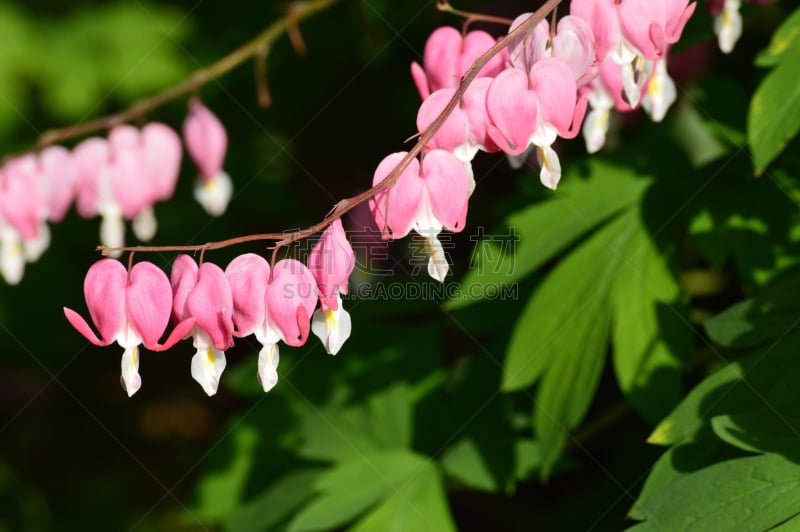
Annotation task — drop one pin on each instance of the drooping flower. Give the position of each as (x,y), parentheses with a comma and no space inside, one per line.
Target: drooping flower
(535,108)
(207,141)
(448,55)
(24,234)
(464,132)
(572,43)
(634,34)
(331,262)
(124,176)
(273,306)
(131,308)
(427,197)
(204,294)
(660,92)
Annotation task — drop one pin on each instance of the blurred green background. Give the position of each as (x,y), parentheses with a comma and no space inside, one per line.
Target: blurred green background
(518,413)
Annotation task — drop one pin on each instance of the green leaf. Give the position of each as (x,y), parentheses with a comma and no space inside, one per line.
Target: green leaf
(768,375)
(351,488)
(701,450)
(545,229)
(562,336)
(765,428)
(752,322)
(651,332)
(343,433)
(754,493)
(419,504)
(275,504)
(481,465)
(220,492)
(565,307)
(774,116)
(785,39)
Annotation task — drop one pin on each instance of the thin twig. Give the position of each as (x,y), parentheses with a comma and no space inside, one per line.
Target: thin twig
(444,6)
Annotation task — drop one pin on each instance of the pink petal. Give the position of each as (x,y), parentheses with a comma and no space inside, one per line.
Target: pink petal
(637,18)
(291,298)
(91,161)
(183,278)
(455,130)
(513,110)
(574,44)
(420,80)
(77,321)
(131,186)
(149,302)
(206,139)
(448,188)
(678,16)
(474,104)
(248,275)
(211,303)
(556,90)
(23,203)
(162,153)
(104,291)
(180,332)
(58,169)
(602,18)
(531,47)
(331,262)
(475,44)
(405,196)
(441,53)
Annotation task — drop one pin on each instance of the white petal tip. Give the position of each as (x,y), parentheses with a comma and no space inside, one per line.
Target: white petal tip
(332,327)
(207,367)
(214,194)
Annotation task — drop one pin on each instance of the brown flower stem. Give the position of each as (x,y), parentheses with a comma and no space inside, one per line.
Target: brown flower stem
(347,204)
(444,6)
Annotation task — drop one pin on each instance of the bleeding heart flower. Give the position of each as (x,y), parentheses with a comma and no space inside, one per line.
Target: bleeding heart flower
(273,306)
(204,294)
(131,308)
(426,197)
(207,141)
(448,56)
(331,262)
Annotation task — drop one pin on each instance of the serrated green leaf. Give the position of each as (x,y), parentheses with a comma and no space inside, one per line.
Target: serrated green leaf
(419,504)
(545,229)
(354,486)
(651,332)
(562,336)
(774,115)
(785,39)
(754,493)
(275,504)
(565,306)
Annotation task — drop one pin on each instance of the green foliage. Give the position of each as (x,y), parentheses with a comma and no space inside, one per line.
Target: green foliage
(754,493)
(77,61)
(657,291)
(774,117)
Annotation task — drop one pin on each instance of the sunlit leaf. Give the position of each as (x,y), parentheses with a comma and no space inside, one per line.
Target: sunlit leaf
(652,334)
(536,234)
